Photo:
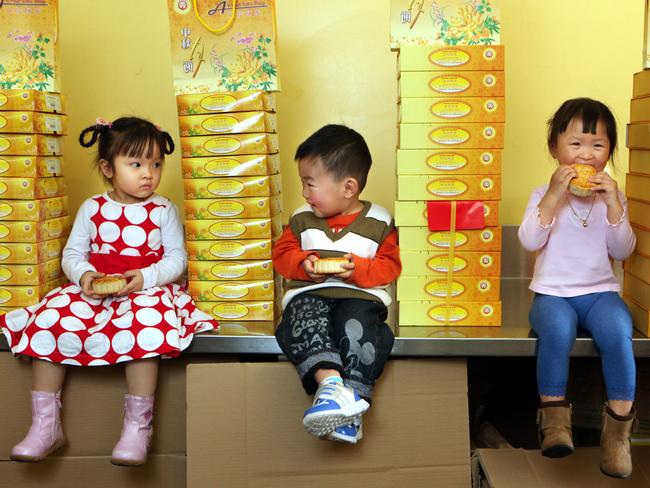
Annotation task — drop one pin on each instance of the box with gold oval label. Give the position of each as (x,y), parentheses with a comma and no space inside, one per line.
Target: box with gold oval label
(33,123)
(458,289)
(461,109)
(30,166)
(466,263)
(24,231)
(34,210)
(433,58)
(237,165)
(205,103)
(31,188)
(422,239)
(414,213)
(32,100)
(230,270)
(242,186)
(30,145)
(228,249)
(487,84)
(24,296)
(448,161)
(246,328)
(240,310)
(31,253)
(472,136)
(222,145)
(30,274)
(414,313)
(252,207)
(199,230)
(208,291)
(452,187)
(228,123)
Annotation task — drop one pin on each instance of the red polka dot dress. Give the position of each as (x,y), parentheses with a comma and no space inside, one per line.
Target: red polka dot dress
(68,327)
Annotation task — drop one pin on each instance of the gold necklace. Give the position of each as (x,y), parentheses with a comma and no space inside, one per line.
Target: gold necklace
(591,207)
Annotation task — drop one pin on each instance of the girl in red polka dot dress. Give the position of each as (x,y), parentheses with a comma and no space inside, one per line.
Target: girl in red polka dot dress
(128,231)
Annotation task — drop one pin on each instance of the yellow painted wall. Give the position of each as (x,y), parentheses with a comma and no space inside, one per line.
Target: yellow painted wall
(336,67)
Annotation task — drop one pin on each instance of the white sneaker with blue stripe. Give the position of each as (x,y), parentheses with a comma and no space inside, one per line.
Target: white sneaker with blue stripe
(335,405)
(351,433)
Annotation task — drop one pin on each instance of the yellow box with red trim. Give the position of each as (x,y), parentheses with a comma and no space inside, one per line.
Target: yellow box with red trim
(637,186)
(243,165)
(200,230)
(230,270)
(31,188)
(427,263)
(452,187)
(417,313)
(24,296)
(458,289)
(25,231)
(33,123)
(30,166)
(228,249)
(448,161)
(240,101)
(640,315)
(444,109)
(208,291)
(32,100)
(246,328)
(34,210)
(488,84)
(422,239)
(31,253)
(221,145)
(414,214)
(251,207)
(450,58)
(264,311)
(30,145)
(228,123)
(30,274)
(470,136)
(236,186)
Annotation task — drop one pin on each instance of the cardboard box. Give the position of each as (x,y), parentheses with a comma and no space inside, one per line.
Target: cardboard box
(229,249)
(642,240)
(638,265)
(422,263)
(640,109)
(230,270)
(229,144)
(244,165)
(30,145)
(441,162)
(641,84)
(28,253)
(640,315)
(31,188)
(467,109)
(211,291)
(33,123)
(263,443)
(639,212)
(230,123)
(414,214)
(30,167)
(637,289)
(455,58)
(25,231)
(485,314)
(421,239)
(453,187)
(24,296)
(200,230)
(239,101)
(460,288)
(639,161)
(470,136)
(637,186)
(32,100)
(34,210)
(243,208)
(246,328)
(487,84)
(245,311)
(242,186)
(30,274)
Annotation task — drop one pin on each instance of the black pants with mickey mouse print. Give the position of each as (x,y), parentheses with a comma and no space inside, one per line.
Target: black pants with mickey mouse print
(347,334)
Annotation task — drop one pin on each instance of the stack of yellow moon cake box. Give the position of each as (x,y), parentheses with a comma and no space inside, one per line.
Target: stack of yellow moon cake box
(232,206)
(34,222)
(451,135)
(636,283)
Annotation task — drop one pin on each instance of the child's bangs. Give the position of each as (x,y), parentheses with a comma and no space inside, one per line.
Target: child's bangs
(138,144)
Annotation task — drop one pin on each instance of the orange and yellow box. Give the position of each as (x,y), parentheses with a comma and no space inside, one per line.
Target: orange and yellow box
(31,253)
(30,167)
(639,212)
(242,186)
(244,208)
(32,100)
(240,101)
(25,231)
(638,265)
(201,230)
(246,328)
(443,109)
(422,239)
(33,123)
(640,315)
(210,291)
(31,188)
(427,263)
(637,289)
(228,123)
(24,296)
(470,136)
(488,84)
(452,187)
(264,311)
(416,313)
(30,145)
(441,162)
(34,210)
(458,289)
(222,145)
(639,161)
(30,274)
(245,165)
(230,270)
(414,214)
(228,249)
(637,186)
(456,58)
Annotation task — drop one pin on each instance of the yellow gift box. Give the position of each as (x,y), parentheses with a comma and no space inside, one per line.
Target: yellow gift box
(641,84)
(467,109)
(30,167)
(31,188)
(265,311)
(637,289)
(487,84)
(30,274)
(453,187)
(24,296)
(414,313)
(414,214)
(637,186)
(246,328)
(230,123)
(242,186)
(244,165)
(638,135)
(23,231)
(229,144)
(471,136)
(33,123)
(239,101)
(440,162)
(640,109)
(31,253)
(422,239)
(30,145)
(639,161)
(459,288)
(642,239)
(33,101)
(640,315)
(638,265)
(230,270)
(228,249)
(433,58)
(201,230)
(34,210)
(252,207)
(423,263)
(209,291)
(639,212)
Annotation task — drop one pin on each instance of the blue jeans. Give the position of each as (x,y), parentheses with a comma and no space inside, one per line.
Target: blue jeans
(606,317)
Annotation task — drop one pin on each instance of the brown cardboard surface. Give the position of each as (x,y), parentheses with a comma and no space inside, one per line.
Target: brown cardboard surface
(518,468)
(163,471)
(415,433)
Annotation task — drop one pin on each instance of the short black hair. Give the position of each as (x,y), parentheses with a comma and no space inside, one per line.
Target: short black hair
(342,150)
(590,112)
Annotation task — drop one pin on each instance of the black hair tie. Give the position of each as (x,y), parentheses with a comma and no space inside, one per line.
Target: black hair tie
(94,131)
(169,143)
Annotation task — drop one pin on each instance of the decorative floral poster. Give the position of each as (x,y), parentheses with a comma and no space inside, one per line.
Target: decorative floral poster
(227,45)
(447,22)
(28,45)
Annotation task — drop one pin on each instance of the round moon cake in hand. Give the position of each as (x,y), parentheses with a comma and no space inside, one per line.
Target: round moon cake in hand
(581,186)
(330,265)
(108,285)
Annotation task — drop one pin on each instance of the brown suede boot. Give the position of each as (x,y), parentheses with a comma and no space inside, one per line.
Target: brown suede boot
(615,455)
(554,421)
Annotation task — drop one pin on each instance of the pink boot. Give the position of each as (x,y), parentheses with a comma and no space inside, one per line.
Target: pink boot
(46,434)
(133,446)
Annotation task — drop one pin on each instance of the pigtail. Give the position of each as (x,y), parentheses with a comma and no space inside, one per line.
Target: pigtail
(169,143)
(101,127)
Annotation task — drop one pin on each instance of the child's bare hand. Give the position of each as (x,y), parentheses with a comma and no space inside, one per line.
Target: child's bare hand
(349,266)
(134,283)
(308,266)
(560,179)
(86,283)
(607,187)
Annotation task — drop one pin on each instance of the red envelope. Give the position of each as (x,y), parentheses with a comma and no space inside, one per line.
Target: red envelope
(469,215)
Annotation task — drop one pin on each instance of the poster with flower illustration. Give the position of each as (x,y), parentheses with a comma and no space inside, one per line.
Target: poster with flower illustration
(220,46)
(444,22)
(28,45)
